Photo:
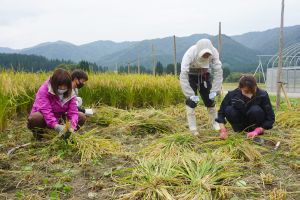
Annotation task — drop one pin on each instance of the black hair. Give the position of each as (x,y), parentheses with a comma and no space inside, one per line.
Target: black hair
(61,77)
(79,74)
(248,81)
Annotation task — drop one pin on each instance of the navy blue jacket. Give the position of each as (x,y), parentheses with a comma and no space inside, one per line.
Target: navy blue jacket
(242,103)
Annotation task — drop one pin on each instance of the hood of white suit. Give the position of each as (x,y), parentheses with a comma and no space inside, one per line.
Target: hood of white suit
(203,46)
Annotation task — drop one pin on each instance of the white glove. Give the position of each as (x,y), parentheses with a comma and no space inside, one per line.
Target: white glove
(79,101)
(59,128)
(195,99)
(71,130)
(89,112)
(212,95)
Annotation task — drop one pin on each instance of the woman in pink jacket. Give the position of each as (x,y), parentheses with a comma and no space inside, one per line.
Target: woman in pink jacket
(54,102)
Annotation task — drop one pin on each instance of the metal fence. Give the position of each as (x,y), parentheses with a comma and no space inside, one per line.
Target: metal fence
(290,70)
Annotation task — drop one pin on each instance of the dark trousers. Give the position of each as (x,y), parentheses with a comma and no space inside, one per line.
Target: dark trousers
(239,120)
(36,123)
(202,84)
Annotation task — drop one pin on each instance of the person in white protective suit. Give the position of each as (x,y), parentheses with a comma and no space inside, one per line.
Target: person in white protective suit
(201,71)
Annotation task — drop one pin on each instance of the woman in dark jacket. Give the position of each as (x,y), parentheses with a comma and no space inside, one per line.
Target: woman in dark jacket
(246,108)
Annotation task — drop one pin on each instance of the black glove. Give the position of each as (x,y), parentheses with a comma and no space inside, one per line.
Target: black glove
(238,103)
(67,134)
(190,103)
(81,109)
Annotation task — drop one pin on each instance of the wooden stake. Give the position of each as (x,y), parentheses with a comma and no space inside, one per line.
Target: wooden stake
(154,63)
(279,69)
(220,39)
(128,68)
(220,51)
(175,61)
(139,68)
(286,97)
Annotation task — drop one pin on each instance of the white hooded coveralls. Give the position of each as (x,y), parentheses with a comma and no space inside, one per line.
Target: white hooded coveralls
(192,59)
(189,60)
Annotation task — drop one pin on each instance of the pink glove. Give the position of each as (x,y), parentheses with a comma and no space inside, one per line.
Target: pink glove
(257,131)
(223,134)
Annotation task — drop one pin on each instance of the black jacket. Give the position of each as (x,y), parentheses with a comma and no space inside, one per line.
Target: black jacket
(236,99)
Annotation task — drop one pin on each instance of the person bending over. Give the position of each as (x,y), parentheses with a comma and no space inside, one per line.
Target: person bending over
(201,72)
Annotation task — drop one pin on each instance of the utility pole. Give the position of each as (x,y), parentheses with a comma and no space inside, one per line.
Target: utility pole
(220,51)
(154,62)
(116,68)
(279,68)
(138,65)
(220,39)
(128,68)
(175,61)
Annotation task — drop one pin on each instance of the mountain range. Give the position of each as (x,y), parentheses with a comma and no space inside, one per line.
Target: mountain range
(239,52)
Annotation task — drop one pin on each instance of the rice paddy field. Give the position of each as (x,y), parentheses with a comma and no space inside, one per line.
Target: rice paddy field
(137,146)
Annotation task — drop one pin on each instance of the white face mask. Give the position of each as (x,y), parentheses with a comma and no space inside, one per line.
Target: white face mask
(249,95)
(202,62)
(61,92)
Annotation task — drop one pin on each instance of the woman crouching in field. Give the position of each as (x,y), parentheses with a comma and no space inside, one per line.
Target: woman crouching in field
(246,108)
(55,101)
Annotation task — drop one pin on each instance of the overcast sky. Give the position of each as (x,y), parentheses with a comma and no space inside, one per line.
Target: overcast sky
(24,23)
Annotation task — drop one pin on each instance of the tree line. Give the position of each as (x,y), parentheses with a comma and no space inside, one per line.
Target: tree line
(34,63)
(160,69)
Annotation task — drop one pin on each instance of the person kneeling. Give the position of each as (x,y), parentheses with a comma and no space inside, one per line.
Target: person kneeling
(246,108)
(55,101)
(79,79)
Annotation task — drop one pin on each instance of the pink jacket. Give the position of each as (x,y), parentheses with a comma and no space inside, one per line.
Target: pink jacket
(52,108)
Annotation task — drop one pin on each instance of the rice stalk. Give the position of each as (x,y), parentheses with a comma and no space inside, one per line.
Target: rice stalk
(238,148)
(206,175)
(267,179)
(90,147)
(152,122)
(295,141)
(194,176)
(289,119)
(4,104)
(278,194)
(152,179)
(171,146)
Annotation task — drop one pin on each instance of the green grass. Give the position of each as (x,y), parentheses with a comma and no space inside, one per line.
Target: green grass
(129,91)
(141,152)
(4,107)
(114,163)
(121,91)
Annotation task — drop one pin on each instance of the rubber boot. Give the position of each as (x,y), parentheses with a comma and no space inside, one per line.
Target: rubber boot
(212,115)
(191,118)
